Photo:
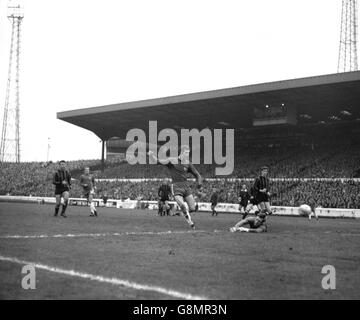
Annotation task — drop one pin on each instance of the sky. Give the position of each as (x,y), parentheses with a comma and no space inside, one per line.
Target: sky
(86,53)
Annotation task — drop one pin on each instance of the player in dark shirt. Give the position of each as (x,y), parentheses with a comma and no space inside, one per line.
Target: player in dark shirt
(164,193)
(262,191)
(179,169)
(62,182)
(244,197)
(214,199)
(87,181)
(105,199)
(256,224)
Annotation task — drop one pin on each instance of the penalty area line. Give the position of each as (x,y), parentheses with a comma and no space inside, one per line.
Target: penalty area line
(102,279)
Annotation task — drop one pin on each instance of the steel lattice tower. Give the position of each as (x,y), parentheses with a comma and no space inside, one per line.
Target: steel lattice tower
(348,37)
(10,136)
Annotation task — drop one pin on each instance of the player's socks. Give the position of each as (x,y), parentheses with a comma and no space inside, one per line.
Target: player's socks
(56,211)
(190,222)
(64,209)
(92,208)
(188,219)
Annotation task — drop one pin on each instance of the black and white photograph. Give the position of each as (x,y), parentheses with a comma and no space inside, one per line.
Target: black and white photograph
(181,155)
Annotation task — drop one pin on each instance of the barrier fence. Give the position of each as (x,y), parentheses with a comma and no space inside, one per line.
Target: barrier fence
(203,206)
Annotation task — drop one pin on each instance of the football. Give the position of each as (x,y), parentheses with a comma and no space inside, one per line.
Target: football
(304,210)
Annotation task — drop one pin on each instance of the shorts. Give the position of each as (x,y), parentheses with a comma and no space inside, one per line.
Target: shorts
(181,189)
(88,192)
(60,190)
(164,199)
(262,197)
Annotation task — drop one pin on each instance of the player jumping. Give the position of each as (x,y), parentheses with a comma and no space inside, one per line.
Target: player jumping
(256,224)
(87,181)
(62,182)
(179,168)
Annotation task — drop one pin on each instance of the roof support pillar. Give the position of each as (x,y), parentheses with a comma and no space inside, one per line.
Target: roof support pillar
(102,155)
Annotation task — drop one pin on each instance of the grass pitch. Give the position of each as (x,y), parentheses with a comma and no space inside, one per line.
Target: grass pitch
(145,256)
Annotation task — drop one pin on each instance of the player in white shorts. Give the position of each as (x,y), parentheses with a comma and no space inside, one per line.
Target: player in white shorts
(87,181)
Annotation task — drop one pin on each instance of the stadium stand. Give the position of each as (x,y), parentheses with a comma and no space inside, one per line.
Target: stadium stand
(35,178)
(290,166)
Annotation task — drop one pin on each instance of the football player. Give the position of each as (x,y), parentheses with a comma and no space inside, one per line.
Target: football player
(244,197)
(179,168)
(214,201)
(256,224)
(62,182)
(164,193)
(87,181)
(262,191)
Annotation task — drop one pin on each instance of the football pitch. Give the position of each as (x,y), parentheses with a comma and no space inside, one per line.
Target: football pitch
(135,254)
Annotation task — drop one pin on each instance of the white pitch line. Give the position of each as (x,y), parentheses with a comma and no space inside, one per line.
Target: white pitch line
(96,235)
(113,281)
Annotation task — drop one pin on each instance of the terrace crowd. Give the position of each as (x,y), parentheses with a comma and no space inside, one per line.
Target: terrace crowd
(297,163)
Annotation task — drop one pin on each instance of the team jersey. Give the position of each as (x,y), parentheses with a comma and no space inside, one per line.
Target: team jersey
(180,171)
(214,197)
(87,181)
(244,197)
(261,183)
(59,177)
(164,192)
(256,223)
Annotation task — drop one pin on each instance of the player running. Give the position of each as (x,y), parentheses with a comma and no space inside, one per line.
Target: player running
(256,224)
(87,181)
(262,193)
(62,182)
(164,193)
(179,168)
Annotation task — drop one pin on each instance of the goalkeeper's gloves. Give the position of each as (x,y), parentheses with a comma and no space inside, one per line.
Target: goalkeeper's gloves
(242,229)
